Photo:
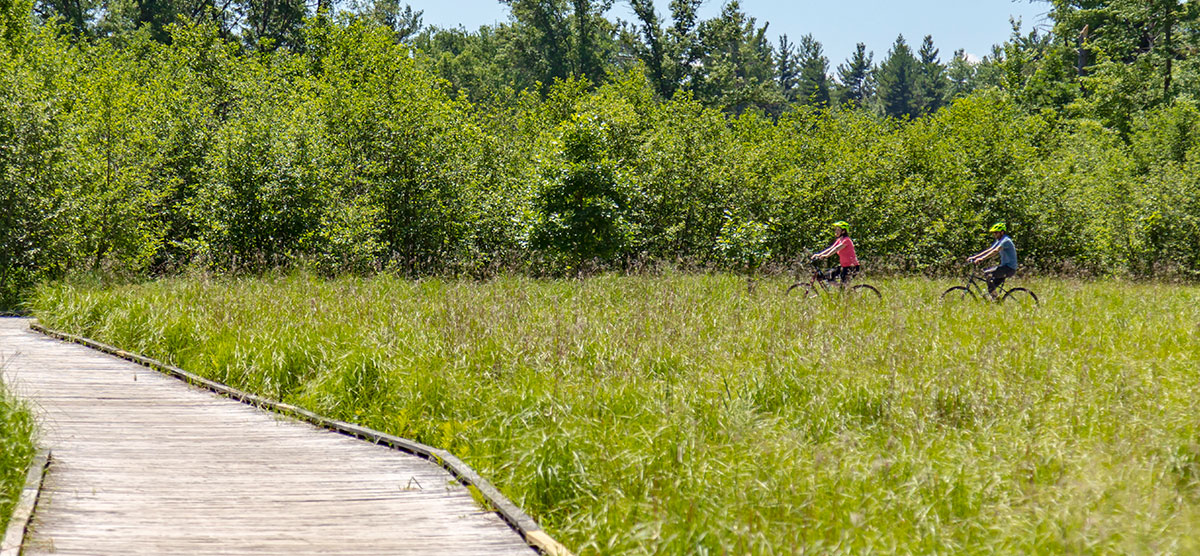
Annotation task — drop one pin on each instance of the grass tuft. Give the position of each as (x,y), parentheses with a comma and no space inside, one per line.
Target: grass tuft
(16,451)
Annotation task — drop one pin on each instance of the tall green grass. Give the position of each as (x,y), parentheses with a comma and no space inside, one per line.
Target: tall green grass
(679,414)
(16,451)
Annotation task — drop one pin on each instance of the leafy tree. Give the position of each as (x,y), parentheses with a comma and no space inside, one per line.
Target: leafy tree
(31,215)
(582,208)
(271,23)
(896,81)
(406,22)
(77,14)
(14,22)
(553,40)
(855,82)
(743,244)
(738,63)
(669,52)
(593,38)
(685,40)
(1138,32)
(478,64)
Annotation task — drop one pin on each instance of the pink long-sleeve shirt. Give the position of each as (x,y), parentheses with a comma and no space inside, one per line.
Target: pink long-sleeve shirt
(846,256)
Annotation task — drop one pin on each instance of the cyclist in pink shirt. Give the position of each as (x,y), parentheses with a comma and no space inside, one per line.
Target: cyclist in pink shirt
(844,247)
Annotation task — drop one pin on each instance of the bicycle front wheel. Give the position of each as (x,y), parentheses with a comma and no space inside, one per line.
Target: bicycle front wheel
(958,293)
(1020,296)
(866,291)
(803,290)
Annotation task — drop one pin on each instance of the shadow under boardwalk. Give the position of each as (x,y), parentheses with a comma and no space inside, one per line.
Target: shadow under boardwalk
(145,464)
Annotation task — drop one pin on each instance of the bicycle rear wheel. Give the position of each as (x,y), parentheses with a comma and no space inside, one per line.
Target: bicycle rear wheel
(1020,296)
(866,291)
(958,293)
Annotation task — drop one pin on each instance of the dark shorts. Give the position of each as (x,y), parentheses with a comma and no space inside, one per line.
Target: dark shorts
(844,273)
(997,275)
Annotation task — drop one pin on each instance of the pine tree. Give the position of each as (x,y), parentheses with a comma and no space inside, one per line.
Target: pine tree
(787,68)
(930,86)
(813,86)
(855,80)
(960,75)
(896,80)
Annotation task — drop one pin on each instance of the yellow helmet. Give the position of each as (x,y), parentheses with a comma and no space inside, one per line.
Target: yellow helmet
(998,227)
(841,224)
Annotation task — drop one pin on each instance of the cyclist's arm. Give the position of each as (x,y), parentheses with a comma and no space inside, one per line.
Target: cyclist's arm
(985,254)
(829,251)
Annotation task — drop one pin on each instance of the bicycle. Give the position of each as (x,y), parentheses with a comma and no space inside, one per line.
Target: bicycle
(819,284)
(976,288)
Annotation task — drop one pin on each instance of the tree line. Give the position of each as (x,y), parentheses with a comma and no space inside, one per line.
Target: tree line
(368,142)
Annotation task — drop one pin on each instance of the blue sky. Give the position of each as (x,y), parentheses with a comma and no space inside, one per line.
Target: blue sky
(973,25)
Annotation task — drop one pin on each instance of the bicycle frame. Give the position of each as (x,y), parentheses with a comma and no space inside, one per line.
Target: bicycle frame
(819,283)
(817,278)
(977,283)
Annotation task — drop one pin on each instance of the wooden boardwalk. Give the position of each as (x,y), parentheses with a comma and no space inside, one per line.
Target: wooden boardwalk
(145,464)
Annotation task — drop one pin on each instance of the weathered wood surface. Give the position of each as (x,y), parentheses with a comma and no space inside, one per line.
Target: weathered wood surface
(144,464)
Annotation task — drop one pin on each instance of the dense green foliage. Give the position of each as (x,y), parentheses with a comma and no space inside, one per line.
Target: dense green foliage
(139,148)
(679,414)
(16,451)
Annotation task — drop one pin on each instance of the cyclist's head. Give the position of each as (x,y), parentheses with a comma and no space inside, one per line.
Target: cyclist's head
(841,227)
(998,227)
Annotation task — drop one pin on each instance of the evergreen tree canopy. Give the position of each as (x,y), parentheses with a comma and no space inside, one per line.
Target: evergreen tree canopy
(929,89)
(855,83)
(896,82)
(813,85)
(787,68)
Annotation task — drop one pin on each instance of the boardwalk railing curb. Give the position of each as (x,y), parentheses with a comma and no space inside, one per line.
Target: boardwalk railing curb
(513,515)
(14,535)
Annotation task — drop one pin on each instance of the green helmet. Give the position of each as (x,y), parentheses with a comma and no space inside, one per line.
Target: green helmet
(841,224)
(998,227)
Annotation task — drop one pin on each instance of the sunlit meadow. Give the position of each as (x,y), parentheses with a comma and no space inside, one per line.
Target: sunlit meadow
(680,414)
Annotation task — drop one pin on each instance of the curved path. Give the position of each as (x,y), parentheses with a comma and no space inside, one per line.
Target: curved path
(145,464)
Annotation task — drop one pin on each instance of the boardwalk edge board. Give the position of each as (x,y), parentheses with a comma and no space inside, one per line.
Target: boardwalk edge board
(529,530)
(14,535)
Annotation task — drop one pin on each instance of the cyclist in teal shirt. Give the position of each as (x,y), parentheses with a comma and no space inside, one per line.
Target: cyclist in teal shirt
(1008,258)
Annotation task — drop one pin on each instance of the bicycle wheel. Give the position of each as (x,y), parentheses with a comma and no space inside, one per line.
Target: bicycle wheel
(802,290)
(1020,296)
(866,291)
(958,293)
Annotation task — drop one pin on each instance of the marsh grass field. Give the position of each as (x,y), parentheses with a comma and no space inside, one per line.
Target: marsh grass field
(680,414)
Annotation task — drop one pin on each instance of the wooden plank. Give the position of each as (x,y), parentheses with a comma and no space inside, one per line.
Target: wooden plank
(145,464)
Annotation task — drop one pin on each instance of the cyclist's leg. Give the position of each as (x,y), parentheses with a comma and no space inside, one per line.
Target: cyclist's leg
(850,272)
(843,275)
(1003,273)
(997,276)
(992,284)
